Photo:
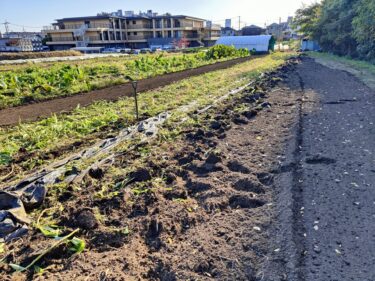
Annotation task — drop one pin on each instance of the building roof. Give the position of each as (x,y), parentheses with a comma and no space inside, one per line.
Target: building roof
(127,17)
(252,26)
(256,39)
(87,18)
(178,17)
(258,42)
(228,29)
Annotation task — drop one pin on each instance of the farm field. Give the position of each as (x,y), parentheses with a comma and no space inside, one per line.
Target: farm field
(140,182)
(208,184)
(29,143)
(42,109)
(197,142)
(31,84)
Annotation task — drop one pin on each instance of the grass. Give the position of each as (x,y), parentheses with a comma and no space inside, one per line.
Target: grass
(36,83)
(58,130)
(363,70)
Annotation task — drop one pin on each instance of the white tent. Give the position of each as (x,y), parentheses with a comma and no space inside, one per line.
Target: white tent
(260,43)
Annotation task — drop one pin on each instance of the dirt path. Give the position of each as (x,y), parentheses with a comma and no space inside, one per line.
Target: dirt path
(326,195)
(31,112)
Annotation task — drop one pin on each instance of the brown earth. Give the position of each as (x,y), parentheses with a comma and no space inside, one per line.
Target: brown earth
(31,112)
(212,222)
(36,55)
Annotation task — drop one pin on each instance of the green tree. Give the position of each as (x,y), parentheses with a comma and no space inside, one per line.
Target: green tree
(307,18)
(342,27)
(364,29)
(334,30)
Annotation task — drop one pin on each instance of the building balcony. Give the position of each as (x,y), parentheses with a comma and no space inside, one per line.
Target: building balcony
(139,26)
(61,39)
(138,37)
(71,27)
(213,27)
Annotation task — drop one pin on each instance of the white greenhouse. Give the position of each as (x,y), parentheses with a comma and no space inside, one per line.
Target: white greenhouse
(259,43)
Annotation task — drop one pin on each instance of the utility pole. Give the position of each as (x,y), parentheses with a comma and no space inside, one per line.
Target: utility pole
(239,23)
(6,24)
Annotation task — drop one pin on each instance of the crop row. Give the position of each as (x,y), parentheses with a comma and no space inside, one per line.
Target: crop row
(36,83)
(50,134)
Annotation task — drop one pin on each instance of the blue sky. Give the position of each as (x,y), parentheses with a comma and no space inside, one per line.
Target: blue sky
(39,13)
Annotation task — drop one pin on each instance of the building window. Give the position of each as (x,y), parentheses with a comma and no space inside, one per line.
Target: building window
(135,33)
(128,33)
(127,22)
(134,22)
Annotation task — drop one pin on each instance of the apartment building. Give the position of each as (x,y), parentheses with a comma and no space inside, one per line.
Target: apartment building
(130,31)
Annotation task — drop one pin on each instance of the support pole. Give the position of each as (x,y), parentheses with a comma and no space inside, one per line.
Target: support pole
(135,84)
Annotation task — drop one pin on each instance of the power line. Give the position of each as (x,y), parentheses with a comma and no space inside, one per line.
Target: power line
(19,25)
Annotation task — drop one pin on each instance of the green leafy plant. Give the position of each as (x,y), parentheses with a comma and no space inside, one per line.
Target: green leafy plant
(5,158)
(77,245)
(38,83)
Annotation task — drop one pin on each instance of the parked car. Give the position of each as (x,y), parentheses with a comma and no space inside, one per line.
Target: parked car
(156,50)
(145,51)
(109,50)
(126,51)
(135,51)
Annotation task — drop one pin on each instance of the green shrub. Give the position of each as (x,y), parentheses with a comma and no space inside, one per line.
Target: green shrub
(222,51)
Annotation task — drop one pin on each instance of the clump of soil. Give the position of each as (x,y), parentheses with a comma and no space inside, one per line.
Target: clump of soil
(86,220)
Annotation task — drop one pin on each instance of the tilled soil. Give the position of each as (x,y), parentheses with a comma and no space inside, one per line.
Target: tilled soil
(213,221)
(34,111)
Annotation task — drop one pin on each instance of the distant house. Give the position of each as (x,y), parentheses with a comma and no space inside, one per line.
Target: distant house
(259,43)
(228,31)
(282,30)
(252,30)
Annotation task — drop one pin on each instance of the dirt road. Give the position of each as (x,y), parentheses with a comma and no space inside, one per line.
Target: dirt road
(326,195)
(31,112)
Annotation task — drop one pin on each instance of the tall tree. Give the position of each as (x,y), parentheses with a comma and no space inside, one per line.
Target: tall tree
(334,30)
(364,29)
(343,27)
(307,18)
